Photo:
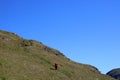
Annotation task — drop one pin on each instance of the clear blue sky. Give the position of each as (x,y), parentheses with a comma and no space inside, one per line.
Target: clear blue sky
(86,31)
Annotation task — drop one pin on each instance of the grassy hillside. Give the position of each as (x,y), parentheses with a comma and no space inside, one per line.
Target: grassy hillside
(22,59)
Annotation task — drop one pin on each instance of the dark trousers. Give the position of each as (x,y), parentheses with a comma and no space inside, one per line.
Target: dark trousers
(55,67)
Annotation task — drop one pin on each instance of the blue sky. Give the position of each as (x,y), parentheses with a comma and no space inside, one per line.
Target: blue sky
(86,31)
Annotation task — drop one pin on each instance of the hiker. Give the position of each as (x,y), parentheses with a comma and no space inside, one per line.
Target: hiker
(56,66)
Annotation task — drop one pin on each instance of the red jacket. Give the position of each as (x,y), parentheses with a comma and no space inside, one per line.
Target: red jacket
(56,64)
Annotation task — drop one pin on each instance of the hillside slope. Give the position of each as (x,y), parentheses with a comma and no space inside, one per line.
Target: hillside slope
(115,73)
(22,59)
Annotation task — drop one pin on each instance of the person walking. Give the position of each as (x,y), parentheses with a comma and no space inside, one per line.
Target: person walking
(56,66)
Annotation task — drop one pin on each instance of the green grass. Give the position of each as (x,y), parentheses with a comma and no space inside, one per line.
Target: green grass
(22,59)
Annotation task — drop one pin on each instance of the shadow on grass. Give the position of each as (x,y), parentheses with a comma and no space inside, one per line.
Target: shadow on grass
(52,68)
